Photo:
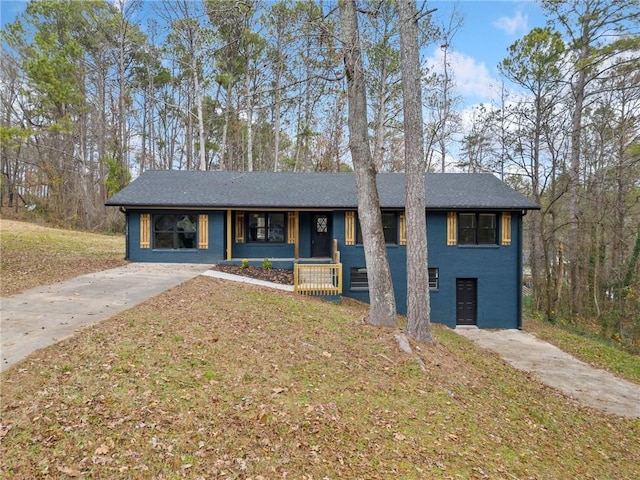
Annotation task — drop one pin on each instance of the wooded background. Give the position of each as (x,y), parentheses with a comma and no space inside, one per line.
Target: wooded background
(90,99)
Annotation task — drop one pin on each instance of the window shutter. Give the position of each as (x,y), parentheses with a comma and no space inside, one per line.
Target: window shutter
(239,227)
(292,227)
(350,228)
(145,230)
(451,228)
(506,228)
(203,231)
(403,229)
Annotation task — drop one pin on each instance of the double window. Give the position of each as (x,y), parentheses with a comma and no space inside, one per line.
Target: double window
(477,229)
(389,228)
(175,232)
(266,227)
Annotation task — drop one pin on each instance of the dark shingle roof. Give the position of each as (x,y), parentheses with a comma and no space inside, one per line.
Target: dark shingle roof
(214,189)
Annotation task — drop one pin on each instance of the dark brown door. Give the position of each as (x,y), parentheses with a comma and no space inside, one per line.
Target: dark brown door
(320,244)
(466,301)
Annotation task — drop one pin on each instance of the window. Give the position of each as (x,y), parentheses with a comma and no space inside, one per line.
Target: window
(389,228)
(434,279)
(266,227)
(477,229)
(358,278)
(175,231)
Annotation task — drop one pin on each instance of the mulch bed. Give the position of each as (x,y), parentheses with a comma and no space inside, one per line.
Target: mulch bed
(275,275)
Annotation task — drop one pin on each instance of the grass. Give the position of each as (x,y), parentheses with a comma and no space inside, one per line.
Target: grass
(221,380)
(33,255)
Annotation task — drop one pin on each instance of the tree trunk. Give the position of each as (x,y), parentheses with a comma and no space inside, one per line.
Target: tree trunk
(249,104)
(198,95)
(418,315)
(574,191)
(382,310)
(225,164)
(378,145)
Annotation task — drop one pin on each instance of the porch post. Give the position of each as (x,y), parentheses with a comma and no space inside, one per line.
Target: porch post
(229,236)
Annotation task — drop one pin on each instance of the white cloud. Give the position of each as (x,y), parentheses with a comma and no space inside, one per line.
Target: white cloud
(471,78)
(516,25)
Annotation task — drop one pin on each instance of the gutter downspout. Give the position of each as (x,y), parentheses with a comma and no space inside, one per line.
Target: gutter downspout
(126,232)
(519,271)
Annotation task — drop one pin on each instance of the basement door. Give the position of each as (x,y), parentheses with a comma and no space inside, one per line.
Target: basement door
(320,244)
(466,301)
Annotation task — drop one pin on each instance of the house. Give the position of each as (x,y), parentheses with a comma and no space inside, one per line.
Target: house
(308,222)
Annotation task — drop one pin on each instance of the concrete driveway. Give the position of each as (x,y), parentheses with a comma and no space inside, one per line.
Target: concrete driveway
(45,315)
(588,385)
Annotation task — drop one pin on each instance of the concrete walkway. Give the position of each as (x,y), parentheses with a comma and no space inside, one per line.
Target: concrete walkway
(45,315)
(588,385)
(252,281)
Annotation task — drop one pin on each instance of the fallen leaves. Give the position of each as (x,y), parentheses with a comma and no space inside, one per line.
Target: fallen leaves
(70,471)
(4,429)
(105,448)
(275,386)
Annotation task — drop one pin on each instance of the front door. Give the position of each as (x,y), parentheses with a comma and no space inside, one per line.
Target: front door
(320,244)
(466,301)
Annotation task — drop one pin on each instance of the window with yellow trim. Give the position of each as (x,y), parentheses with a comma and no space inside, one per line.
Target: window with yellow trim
(175,232)
(266,227)
(389,228)
(477,228)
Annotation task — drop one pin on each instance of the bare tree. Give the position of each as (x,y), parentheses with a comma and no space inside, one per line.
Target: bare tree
(444,121)
(418,314)
(382,310)
(596,32)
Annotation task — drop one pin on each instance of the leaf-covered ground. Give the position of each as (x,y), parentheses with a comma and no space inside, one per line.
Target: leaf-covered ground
(34,255)
(215,379)
(221,380)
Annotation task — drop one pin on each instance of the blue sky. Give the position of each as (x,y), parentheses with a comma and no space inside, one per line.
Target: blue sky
(489,28)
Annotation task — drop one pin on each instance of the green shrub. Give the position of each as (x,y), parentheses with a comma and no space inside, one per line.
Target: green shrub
(266,264)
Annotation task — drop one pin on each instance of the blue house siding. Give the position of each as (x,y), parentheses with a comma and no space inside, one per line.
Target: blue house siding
(263,250)
(214,253)
(282,250)
(304,234)
(495,268)
(352,256)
